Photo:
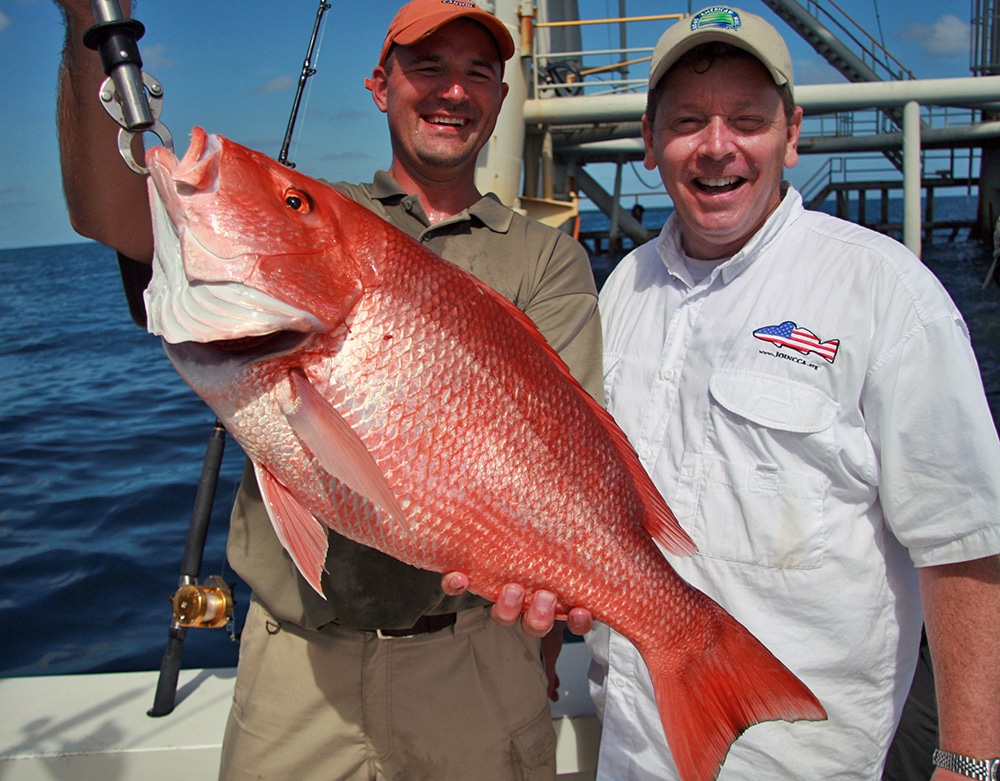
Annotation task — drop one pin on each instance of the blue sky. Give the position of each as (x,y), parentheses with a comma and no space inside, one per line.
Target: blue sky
(232,69)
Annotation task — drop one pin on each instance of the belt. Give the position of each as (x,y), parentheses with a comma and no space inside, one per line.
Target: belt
(425,625)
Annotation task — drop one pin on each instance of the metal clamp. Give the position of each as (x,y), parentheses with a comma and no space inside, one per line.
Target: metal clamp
(113,105)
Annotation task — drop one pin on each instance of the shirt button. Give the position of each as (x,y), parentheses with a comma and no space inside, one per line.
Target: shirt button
(667,374)
(620,682)
(645,453)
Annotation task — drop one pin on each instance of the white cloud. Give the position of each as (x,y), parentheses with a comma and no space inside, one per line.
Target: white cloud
(279,84)
(815,70)
(154,58)
(4,21)
(945,37)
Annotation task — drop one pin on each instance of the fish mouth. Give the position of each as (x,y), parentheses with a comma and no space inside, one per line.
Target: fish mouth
(180,308)
(242,351)
(263,344)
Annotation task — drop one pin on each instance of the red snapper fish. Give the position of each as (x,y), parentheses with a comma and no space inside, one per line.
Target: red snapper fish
(388,395)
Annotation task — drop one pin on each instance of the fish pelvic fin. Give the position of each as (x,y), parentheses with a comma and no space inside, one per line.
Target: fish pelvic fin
(299,533)
(338,448)
(736,683)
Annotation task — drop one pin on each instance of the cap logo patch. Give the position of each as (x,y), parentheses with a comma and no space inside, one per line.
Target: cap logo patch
(718,17)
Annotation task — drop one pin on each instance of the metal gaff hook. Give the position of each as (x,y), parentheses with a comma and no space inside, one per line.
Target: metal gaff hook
(124,93)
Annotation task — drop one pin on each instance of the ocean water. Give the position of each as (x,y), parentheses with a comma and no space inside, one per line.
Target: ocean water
(101,446)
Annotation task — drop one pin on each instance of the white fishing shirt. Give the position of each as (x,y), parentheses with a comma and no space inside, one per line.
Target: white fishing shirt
(813,413)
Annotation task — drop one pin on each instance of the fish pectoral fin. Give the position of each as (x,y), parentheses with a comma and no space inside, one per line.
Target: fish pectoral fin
(338,447)
(299,533)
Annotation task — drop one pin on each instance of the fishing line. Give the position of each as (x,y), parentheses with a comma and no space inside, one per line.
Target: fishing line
(635,172)
(878,23)
(307,71)
(305,103)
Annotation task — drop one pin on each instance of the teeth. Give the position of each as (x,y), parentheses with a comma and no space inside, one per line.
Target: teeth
(723,182)
(447,121)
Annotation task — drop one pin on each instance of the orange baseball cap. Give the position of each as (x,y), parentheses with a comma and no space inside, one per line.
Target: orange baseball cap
(420,18)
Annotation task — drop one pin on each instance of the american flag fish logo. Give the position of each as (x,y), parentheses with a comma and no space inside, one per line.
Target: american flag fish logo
(788,334)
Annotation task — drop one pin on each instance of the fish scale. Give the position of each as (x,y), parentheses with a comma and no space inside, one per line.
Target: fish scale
(405,405)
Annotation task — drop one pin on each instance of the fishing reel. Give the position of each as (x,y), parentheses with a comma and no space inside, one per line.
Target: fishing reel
(205,606)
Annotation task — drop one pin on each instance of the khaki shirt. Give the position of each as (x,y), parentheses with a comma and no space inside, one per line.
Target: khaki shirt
(542,271)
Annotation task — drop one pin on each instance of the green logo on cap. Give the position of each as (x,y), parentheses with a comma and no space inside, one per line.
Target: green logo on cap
(718,17)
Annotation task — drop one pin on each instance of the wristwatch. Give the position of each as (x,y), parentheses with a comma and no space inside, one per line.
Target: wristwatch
(982,769)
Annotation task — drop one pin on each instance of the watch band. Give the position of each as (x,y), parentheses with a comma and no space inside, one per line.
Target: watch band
(981,769)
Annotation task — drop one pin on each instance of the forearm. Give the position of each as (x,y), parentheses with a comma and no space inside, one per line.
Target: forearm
(962,615)
(105,199)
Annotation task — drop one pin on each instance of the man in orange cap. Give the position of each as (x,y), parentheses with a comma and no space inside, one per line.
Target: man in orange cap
(387,677)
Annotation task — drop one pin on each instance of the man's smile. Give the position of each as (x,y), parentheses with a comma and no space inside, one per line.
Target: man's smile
(722,184)
(446,120)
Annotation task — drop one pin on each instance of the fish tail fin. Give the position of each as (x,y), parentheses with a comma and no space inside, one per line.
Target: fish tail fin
(707,704)
(830,349)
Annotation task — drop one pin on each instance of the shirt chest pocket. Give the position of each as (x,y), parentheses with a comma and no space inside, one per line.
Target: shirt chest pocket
(753,492)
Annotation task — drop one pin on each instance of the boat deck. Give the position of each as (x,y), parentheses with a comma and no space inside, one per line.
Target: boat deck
(83,727)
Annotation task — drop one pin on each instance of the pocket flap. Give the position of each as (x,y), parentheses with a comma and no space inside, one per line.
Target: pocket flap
(773,402)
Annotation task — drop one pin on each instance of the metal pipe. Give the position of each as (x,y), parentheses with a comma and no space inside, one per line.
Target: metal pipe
(982,92)
(115,38)
(593,190)
(498,168)
(959,135)
(911,177)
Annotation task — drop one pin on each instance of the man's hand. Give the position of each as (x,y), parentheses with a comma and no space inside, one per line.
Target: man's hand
(538,620)
(539,617)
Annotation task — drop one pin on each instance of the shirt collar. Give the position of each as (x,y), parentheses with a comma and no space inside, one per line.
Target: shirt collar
(488,210)
(671,252)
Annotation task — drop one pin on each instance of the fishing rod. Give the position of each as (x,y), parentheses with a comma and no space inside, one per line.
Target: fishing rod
(210,605)
(307,71)
(207,606)
(134,100)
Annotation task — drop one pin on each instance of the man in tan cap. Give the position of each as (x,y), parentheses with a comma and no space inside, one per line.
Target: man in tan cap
(804,394)
(387,677)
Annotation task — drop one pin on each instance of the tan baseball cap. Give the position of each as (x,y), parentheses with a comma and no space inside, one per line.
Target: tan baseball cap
(420,18)
(728,25)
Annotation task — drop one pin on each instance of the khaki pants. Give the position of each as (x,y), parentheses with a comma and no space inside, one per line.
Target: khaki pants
(466,703)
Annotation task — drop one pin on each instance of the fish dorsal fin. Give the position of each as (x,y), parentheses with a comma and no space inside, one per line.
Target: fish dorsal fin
(338,448)
(298,530)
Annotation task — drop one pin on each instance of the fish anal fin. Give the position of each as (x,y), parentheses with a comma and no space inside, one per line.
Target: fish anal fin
(708,704)
(299,533)
(664,528)
(338,448)
(660,521)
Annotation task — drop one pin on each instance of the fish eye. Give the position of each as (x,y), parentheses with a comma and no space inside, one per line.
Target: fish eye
(298,201)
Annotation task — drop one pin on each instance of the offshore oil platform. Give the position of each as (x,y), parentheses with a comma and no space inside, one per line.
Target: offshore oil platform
(576,103)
